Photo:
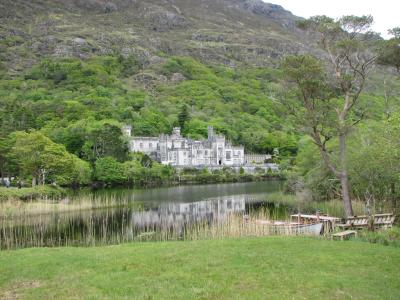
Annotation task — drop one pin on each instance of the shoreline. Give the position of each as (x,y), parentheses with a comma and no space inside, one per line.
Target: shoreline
(60,193)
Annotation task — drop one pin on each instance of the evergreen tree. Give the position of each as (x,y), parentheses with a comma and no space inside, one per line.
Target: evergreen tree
(183,116)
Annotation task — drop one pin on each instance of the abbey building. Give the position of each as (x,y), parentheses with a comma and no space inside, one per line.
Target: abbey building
(177,150)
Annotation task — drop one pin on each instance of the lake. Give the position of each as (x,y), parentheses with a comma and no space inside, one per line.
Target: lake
(134,214)
(113,216)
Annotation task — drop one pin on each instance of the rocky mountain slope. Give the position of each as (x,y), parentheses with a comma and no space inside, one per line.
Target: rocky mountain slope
(230,32)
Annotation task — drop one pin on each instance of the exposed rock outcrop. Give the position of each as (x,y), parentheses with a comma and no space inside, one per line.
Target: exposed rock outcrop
(230,32)
(273,11)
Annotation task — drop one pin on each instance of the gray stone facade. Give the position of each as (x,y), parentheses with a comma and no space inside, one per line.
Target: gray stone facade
(176,150)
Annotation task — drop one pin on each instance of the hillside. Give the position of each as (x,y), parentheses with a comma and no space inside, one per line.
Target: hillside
(138,62)
(229,32)
(76,71)
(64,63)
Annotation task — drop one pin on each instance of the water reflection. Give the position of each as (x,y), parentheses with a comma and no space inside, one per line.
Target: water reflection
(185,193)
(163,214)
(177,214)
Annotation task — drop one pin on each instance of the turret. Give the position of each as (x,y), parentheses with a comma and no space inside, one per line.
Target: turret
(127,130)
(176,132)
(210,132)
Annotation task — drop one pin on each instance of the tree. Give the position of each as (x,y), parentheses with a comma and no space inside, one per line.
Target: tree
(389,52)
(133,171)
(7,162)
(109,170)
(183,116)
(329,95)
(105,139)
(41,158)
(81,173)
(374,168)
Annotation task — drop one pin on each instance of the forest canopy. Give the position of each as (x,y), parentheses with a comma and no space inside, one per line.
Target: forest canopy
(82,105)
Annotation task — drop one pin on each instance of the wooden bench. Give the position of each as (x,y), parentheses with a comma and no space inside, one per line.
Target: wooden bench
(355,222)
(344,234)
(384,220)
(377,221)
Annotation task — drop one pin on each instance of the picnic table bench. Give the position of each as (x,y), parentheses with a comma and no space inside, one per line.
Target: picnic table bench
(377,221)
(344,234)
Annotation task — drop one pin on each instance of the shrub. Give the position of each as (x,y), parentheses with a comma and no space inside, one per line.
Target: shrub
(109,170)
(32,193)
(389,237)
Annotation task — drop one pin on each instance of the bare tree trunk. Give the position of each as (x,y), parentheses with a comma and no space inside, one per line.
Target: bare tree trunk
(2,182)
(393,194)
(344,182)
(387,109)
(33,181)
(344,177)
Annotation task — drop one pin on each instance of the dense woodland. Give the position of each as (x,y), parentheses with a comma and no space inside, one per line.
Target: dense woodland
(83,104)
(61,120)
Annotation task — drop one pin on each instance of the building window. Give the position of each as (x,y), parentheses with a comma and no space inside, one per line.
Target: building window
(199,152)
(184,154)
(228,155)
(150,145)
(206,152)
(141,145)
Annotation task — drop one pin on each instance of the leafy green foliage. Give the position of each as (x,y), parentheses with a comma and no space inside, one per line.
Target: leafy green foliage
(109,170)
(82,105)
(374,170)
(389,52)
(32,193)
(62,97)
(183,116)
(43,160)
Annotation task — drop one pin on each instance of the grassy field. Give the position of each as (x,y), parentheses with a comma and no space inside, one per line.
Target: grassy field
(251,268)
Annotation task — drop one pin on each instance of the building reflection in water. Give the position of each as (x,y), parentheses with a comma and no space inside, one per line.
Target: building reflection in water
(120,224)
(178,214)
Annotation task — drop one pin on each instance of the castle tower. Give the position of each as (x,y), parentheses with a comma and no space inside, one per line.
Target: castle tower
(127,130)
(210,132)
(176,132)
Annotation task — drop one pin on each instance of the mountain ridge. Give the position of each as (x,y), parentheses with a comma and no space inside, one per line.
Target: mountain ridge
(229,32)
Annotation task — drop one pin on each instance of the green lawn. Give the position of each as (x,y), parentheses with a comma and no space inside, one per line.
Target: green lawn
(258,268)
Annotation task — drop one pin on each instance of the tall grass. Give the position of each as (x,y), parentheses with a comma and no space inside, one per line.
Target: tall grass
(331,208)
(97,221)
(115,226)
(387,237)
(14,208)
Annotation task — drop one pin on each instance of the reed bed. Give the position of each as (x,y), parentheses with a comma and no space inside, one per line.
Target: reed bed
(15,208)
(116,226)
(96,221)
(331,207)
